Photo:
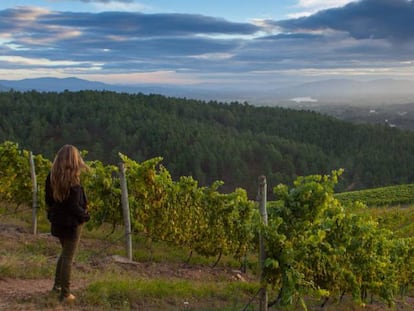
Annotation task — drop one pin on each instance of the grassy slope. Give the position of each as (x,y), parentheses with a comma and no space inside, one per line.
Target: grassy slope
(392,206)
(384,196)
(160,278)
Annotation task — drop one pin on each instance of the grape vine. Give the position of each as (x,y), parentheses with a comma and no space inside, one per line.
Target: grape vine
(180,212)
(315,243)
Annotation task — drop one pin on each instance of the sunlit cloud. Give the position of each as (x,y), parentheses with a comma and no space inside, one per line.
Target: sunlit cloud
(18,60)
(19,74)
(125,6)
(27,14)
(309,7)
(213,56)
(266,25)
(322,4)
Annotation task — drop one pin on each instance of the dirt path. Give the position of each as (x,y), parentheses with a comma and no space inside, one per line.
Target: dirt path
(13,291)
(18,288)
(17,294)
(21,294)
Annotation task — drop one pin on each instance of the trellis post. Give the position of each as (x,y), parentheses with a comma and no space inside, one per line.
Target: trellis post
(125,210)
(262,198)
(34,193)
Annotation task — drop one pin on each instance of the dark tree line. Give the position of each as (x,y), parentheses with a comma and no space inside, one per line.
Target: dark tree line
(234,142)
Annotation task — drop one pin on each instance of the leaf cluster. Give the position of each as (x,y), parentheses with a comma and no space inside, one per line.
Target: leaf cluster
(317,244)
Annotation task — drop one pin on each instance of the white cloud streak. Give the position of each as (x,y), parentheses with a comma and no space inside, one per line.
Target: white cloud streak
(309,7)
(120,6)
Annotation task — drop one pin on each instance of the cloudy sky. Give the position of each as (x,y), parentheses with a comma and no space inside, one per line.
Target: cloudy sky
(234,43)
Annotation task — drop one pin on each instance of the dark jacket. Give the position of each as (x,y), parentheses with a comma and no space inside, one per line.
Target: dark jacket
(67,215)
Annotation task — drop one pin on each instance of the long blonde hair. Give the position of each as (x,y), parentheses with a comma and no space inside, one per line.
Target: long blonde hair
(65,172)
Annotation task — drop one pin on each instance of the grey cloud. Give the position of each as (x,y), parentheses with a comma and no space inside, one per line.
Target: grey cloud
(308,51)
(127,23)
(9,20)
(376,19)
(132,40)
(144,49)
(123,42)
(291,36)
(119,24)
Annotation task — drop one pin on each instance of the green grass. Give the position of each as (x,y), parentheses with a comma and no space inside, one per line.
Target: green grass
(399,220)
(392,207)
(124,292)
(34,265)
(21,257)
(384,196)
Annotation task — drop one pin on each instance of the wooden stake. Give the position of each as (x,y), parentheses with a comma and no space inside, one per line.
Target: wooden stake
(34,193)
(262,198)
(125,210)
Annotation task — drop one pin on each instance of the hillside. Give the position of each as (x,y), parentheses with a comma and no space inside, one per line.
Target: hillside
(234,142)
(402,195)
(160,278)
(178,226)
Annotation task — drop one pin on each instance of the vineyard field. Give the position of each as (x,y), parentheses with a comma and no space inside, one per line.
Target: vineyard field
(316,244)
(384,196)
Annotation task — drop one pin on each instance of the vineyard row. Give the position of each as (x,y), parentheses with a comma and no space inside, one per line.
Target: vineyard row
(314,243)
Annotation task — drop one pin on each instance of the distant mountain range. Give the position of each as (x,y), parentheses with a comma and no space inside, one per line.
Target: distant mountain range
(319,93)
(76,84)
(55,85)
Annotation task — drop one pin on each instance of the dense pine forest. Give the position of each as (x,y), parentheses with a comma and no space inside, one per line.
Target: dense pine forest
(233,142)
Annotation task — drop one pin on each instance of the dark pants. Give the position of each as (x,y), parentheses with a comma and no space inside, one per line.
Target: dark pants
(64,265)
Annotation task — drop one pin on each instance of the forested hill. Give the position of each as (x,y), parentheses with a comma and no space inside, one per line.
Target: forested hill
(211,141)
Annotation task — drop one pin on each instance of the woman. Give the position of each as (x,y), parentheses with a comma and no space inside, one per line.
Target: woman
(67,211)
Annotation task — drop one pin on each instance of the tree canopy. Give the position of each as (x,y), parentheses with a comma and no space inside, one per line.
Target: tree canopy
(233,142)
